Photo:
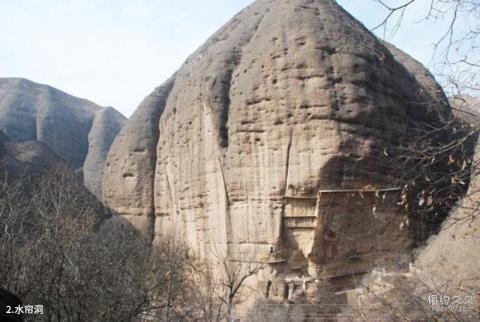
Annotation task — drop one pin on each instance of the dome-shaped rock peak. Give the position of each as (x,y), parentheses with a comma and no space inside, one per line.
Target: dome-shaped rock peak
(271,140)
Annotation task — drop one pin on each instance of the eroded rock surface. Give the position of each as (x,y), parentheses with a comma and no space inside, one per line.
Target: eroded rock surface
(271,142)
(78,130)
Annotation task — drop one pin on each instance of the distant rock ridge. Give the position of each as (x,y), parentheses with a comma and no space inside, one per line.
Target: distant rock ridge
(272,140)
(77,130)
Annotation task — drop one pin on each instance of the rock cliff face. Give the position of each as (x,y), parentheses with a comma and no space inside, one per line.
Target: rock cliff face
(270,143)
(78,130)
(107,123)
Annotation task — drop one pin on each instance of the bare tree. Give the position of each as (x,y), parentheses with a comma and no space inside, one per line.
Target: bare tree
(234,276)
(221,285)
(59,248)
(456,58)
(436,165)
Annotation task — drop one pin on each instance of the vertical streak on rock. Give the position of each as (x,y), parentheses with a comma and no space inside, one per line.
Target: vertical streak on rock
(224,142)
(287,168)
(224,180)
(163,97)
(218,105)
(225,106)
(225,85)
(287,161)
(228,222)
(170,191)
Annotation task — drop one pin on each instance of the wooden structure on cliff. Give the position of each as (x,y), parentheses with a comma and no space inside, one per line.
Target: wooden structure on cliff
(343,232)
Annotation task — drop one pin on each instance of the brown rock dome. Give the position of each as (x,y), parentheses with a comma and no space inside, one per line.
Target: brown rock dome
(261,141)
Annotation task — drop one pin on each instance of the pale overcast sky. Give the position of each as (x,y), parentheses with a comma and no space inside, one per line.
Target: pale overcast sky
(115,52)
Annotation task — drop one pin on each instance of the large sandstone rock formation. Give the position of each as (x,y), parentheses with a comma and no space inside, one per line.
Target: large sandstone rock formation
(271,143)
(78,130)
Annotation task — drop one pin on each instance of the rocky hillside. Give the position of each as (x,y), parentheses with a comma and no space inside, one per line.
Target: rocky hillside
(77,130)
(26,157)
(271,143)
